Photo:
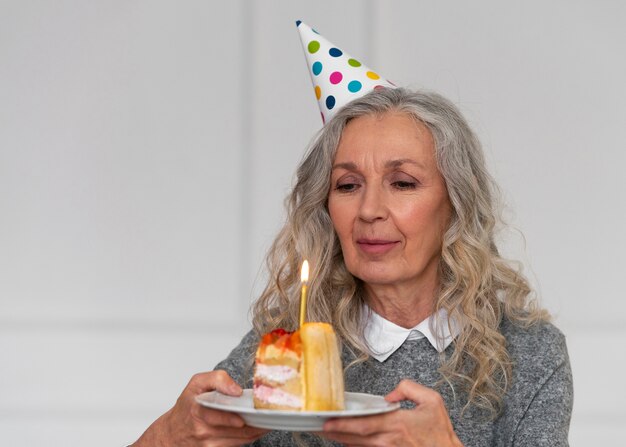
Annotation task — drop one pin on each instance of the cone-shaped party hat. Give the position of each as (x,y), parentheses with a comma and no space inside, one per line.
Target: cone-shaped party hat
(337,77)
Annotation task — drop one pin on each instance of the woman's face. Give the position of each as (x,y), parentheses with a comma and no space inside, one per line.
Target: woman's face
(388,202)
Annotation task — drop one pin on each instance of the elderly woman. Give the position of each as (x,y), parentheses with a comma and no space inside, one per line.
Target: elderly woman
(395,211)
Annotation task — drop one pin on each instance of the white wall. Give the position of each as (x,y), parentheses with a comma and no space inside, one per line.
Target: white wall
(146,147)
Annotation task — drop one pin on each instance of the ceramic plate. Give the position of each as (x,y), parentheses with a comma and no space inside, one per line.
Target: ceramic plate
(357,404)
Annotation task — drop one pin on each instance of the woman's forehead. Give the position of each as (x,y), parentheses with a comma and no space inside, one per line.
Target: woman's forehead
(390,138)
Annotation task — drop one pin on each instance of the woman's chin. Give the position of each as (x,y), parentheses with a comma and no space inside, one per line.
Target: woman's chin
(378,278)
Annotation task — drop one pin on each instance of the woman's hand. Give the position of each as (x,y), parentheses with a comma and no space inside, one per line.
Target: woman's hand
(428,424)
(189,424)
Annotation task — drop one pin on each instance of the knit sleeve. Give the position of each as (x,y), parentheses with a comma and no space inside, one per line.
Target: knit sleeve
(240,362)
(546,420)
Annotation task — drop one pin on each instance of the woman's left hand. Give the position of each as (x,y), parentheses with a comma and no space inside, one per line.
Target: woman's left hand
(428,424)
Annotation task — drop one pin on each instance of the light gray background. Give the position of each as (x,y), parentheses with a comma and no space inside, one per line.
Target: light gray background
(146,147)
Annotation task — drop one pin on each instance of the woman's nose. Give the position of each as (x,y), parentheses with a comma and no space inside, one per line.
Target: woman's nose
(373,206)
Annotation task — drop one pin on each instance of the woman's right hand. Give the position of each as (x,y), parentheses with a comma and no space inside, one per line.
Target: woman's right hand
(190,424)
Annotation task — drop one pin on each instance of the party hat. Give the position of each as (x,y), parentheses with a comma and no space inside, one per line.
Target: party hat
(337,77)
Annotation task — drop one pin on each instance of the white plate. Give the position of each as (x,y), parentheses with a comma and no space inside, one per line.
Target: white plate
(357,404)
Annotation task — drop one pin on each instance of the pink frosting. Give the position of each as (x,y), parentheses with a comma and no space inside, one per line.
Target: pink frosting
(276,373)
(276,396)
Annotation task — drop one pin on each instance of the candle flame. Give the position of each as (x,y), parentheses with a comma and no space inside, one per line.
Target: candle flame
(304,273)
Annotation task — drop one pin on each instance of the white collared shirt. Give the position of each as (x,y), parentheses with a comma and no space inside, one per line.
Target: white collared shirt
(384,337)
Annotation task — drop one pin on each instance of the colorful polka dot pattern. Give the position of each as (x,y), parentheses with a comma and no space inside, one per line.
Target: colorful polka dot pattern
(337,77)
(314,45)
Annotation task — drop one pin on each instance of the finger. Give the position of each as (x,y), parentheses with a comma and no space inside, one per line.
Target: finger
(216,434)
(225,422)
(214,380)
(365,426)
(409,390)
(217,418)
(225,384)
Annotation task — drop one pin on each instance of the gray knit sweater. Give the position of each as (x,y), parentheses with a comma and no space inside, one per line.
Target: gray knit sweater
(537,407)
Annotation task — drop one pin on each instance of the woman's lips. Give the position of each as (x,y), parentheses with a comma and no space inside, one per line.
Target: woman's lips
(375,246)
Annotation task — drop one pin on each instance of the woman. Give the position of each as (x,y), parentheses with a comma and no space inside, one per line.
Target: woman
(394,209)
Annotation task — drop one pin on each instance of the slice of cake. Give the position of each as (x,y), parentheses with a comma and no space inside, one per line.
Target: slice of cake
(299,371)
(277,382)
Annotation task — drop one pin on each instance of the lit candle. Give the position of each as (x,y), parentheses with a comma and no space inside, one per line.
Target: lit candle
(304,279)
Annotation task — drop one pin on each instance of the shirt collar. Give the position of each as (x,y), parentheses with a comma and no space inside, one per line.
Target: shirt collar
(384,337)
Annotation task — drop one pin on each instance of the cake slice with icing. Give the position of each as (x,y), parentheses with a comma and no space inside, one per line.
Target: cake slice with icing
(299,371)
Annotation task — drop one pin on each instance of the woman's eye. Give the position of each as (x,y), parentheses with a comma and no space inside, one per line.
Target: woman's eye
(347,187)
(403,184)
